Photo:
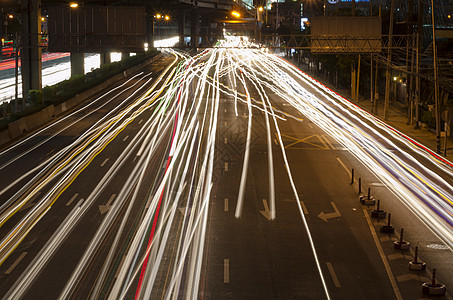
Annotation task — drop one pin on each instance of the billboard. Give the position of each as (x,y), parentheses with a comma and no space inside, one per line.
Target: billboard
(346,34)
(96,29)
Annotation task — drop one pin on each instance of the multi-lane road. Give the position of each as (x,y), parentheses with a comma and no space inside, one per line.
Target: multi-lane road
(223,175)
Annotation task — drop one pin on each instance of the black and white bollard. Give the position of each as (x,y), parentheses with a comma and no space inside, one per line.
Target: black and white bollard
(433,288)
(377,213)
(388,228)
(416,265)
(367,200)
(401,244)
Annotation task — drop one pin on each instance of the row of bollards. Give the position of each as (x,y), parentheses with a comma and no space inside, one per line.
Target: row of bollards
(428,288)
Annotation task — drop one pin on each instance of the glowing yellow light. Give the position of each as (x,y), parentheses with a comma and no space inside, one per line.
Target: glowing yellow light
(167,18)
(236,14)
(158,16)
(42,19)
(449,16)
(395,78)
(260,8)
(10,16)
(74,4)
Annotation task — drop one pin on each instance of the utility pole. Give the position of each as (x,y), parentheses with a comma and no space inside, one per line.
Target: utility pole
(371,83)
(358,80)
(276,17)
(375,108)
(16,71)
(411,92)
(436,84)
(389,58)
(409,80)
(418,51)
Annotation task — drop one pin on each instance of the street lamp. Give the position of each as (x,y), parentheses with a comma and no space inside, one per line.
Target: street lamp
(236,14)
(73,5)
(158,17)
(16,60)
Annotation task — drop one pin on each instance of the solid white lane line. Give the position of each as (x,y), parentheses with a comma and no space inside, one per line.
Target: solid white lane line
(7,272)
(226,270)
(72,199)
(125,138)
(226,204)
(226,167)
(104,162)
(344,166)
(332,273)
(383,257)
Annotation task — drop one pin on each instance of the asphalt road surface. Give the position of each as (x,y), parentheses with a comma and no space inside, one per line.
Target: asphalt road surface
(220,176)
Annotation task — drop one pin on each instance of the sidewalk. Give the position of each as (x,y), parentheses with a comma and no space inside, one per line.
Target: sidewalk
(397,119)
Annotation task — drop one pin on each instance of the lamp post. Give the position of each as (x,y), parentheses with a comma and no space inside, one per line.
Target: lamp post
(16,64)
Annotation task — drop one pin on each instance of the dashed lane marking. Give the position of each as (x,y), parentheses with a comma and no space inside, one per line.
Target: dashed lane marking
(226,270)
(334,276)
(104,162)
(18,260)
(72,199)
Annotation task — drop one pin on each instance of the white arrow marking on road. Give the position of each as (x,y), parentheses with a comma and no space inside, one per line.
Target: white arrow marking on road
(266,212)
(335,214)
(105,208)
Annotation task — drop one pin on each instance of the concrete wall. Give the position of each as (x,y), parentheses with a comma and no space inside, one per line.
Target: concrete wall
(34,121)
